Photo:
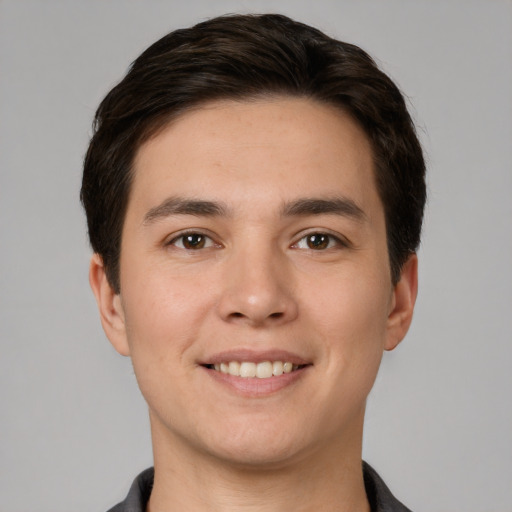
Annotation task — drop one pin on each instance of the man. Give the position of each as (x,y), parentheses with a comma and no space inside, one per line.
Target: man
(254,193)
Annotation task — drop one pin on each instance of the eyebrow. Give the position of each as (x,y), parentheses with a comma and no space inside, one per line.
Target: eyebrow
(300,207)
(183,206)
(313,206)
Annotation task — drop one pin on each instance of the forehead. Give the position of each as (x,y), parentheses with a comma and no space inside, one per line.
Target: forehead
(263,148)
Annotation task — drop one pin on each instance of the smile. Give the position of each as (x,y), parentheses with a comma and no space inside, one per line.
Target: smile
(262,370)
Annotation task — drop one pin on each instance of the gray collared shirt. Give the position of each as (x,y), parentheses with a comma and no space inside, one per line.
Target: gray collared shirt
(379,496)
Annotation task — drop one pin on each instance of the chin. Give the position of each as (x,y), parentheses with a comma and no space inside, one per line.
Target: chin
(258,456)
(258,446)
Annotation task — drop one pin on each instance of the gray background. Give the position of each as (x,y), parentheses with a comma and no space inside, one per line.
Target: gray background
(73,426)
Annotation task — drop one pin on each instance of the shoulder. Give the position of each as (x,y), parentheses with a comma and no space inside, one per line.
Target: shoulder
(138,495)
(380,497)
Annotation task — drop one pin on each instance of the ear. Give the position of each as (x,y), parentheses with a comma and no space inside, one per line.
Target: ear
(402,303)
(109,305)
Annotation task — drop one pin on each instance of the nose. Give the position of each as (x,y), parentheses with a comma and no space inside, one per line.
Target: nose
(257,289)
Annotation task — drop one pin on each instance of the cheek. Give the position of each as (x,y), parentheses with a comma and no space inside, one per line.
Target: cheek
(348,320)
(351,305)
(351,316)
(162,315)
(165,317)
(160,327)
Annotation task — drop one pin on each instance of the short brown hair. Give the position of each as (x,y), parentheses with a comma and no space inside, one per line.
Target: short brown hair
(240,57)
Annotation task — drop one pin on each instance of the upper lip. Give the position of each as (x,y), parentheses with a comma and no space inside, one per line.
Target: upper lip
(255,356)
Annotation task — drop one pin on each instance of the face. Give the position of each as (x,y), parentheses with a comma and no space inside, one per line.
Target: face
(256,297)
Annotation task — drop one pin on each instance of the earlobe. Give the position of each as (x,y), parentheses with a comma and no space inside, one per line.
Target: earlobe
(109,306)
(403,300)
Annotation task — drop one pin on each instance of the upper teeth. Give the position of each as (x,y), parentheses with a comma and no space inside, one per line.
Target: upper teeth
(262,370)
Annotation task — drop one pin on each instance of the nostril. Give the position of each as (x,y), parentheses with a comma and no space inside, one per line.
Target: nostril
(237,314)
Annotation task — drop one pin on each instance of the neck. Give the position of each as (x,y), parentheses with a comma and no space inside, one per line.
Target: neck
(323,479)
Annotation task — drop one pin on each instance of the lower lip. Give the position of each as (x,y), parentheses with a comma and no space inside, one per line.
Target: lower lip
(254,387)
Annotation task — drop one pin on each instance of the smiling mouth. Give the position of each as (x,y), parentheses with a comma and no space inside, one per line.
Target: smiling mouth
(262,370)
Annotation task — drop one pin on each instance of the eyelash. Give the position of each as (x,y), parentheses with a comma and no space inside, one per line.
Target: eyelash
(207,242)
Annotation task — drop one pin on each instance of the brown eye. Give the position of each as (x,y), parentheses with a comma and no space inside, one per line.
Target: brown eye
(318,241)
(192,241)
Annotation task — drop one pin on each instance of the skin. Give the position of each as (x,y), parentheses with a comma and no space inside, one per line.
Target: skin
(256,283)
